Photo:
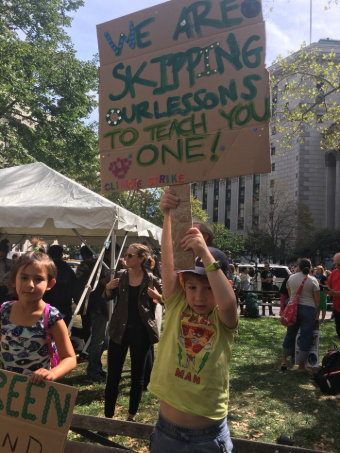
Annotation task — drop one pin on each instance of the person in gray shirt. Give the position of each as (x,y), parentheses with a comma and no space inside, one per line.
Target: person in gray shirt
(309,300)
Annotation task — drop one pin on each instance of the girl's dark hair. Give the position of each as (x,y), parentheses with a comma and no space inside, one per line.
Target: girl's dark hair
(305,265)
(144,252)
(4,246)
(38,245)
(33,257)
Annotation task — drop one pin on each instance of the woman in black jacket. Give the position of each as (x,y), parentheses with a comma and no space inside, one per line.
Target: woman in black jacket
(132,325)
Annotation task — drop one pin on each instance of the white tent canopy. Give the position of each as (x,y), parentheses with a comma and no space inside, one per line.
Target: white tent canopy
(38,201)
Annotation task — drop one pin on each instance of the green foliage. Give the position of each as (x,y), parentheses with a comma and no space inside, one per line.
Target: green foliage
(311,86)
(197,211)
(322,244)
(257,244)
(225,240)
(45,91)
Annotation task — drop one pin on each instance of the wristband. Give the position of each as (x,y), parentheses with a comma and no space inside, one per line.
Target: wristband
(213,266)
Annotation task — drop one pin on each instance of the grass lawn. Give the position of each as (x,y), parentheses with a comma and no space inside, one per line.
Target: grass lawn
(264,401)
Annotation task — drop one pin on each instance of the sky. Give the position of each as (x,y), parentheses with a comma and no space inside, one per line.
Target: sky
(287,26)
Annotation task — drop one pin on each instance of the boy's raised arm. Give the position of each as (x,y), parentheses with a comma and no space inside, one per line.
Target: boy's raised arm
(221,288)
(170,279)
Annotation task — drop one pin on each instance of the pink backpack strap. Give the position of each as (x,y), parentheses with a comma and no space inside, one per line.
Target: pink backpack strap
(48,336)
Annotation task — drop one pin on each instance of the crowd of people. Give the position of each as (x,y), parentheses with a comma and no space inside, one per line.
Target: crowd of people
(201,318)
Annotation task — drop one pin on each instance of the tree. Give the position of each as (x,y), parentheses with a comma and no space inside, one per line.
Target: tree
(322,245)
(304,90)
(257,244)
(225,240)
(281,219)
(197,211)
(46,93)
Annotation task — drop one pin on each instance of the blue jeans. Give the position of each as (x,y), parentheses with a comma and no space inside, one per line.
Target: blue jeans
(99,326)
(169,438)
(305,320)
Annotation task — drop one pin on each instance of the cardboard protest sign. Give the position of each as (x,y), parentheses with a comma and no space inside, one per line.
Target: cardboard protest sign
(183,94)
(34,418)
(181,222)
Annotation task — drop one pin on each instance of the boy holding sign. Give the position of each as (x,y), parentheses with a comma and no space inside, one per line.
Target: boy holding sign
(191,372)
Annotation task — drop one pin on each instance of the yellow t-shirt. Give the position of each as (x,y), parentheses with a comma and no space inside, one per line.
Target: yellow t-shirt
(191,371)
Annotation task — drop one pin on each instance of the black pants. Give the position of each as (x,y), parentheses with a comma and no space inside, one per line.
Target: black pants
(137,339)
(264,308)
(86,322)
(337,321)
(148,366)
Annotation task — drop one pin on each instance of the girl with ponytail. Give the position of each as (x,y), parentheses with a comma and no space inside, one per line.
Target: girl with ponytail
(132,325)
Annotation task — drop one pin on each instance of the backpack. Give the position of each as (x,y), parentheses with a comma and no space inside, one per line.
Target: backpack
(328,377)
(252,309)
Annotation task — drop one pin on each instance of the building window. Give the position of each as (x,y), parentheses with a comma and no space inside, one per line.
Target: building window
(256,200)
(320,92)
(194,190)
(241,193)
(296,193)
(273,151)
(297,157)
(274,100)
(273,130)
(273,167)
(227,203)
(205,196)
(286,107)
(216,197)
(319,118)
(271,199)
(296,175)
(272,182)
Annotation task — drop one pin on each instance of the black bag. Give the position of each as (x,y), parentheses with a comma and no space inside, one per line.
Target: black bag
(328,377)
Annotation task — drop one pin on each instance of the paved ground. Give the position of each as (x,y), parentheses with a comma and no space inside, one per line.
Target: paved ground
(277,309)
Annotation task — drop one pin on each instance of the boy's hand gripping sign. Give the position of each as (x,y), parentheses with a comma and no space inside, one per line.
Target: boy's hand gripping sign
(183,94)
(34,418)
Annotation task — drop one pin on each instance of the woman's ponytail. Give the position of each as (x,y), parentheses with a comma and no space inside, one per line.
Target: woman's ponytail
(305,266)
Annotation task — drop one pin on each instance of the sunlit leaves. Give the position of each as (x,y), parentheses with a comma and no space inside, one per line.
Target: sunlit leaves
(46,93)
(307,83)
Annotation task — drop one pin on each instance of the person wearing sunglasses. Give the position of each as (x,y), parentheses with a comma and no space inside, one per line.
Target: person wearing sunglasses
(133,325)
(333,289)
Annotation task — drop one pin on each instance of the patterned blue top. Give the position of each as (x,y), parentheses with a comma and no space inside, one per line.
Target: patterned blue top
(24,349)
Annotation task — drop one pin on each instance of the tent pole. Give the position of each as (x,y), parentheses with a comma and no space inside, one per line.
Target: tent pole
(112,266)
(88,246)
(121,249)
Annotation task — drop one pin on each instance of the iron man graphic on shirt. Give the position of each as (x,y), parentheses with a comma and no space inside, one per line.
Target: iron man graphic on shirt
(196,334)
